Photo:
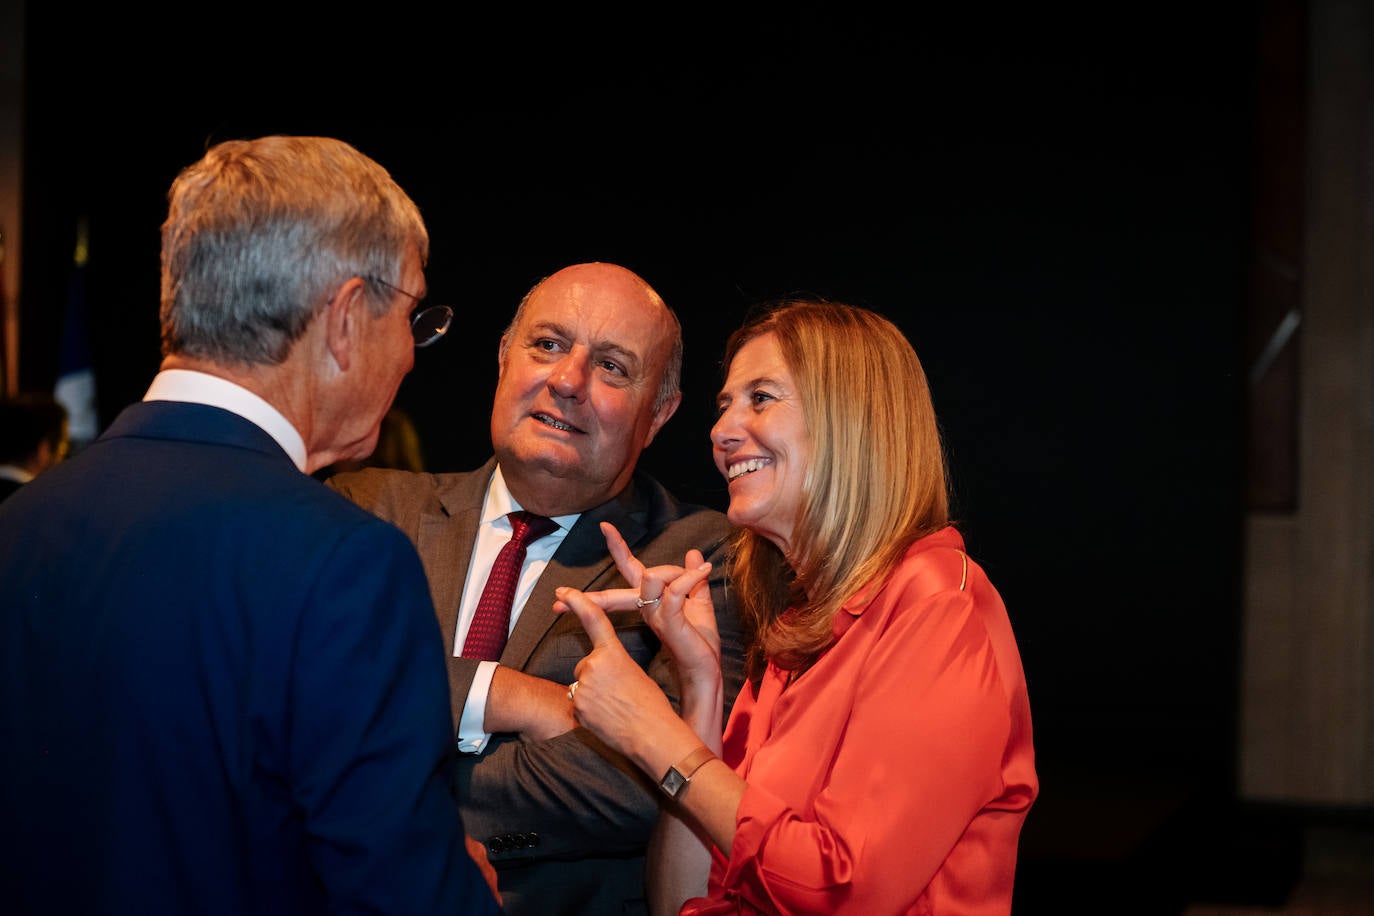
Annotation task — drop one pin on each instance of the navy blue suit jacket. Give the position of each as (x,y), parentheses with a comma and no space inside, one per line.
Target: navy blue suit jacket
(222,688)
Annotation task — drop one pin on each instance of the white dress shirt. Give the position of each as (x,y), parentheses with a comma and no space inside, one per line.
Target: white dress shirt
(493,533)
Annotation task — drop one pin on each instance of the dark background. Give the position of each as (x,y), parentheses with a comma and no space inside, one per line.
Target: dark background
(1054,204)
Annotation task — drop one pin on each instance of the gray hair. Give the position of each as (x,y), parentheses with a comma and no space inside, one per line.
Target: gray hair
(260,232)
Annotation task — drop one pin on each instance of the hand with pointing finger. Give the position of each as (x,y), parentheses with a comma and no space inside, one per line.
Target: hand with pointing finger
(676,603)
(617,701)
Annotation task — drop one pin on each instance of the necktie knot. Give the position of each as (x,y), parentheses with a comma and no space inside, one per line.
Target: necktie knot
(526,527)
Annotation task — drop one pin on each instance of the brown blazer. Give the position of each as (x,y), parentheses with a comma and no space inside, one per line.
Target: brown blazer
(565,821)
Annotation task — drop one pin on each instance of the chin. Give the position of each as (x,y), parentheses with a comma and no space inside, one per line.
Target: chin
(739,517)
(547,451)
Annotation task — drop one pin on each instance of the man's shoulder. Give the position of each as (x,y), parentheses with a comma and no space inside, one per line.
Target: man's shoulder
(376,481)
(671,519)
(387,491)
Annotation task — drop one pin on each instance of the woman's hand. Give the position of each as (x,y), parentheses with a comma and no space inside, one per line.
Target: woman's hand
(478,852)
(612,696)
(675,602)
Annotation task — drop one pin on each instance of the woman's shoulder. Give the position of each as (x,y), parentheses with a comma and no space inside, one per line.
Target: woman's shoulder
(931,565)
(934,563)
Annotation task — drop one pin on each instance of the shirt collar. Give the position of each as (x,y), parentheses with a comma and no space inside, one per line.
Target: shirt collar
(194,387)
(499,503)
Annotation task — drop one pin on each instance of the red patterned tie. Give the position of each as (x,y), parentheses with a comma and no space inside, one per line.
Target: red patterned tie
(491,624)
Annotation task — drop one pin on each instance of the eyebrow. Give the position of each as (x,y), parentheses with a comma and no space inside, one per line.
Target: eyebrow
(542,328)
(756,382)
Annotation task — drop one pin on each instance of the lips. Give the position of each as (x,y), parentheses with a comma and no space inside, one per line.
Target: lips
(556,423)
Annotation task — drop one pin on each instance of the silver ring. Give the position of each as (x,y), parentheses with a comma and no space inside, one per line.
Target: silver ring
(572,689)
(647,602)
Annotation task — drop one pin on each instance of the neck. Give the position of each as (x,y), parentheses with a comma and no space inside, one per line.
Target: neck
(544,494)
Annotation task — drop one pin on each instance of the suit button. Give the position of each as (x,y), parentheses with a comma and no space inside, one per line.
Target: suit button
(533,839)
(496,844)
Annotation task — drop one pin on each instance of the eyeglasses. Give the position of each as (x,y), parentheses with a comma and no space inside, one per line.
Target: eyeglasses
(430,323)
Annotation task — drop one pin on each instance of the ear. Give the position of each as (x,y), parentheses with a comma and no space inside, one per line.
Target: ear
(343,321)
(661,416)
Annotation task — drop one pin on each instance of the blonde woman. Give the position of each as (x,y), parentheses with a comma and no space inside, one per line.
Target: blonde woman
(879,757)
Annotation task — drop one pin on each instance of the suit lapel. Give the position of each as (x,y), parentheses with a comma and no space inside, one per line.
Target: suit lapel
(446,543)
(445,538)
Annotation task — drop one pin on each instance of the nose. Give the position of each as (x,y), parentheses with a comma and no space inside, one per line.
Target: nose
(725,431)
(569,377)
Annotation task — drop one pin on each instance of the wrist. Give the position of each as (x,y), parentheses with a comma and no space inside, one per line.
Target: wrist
(678,777)
(704,712)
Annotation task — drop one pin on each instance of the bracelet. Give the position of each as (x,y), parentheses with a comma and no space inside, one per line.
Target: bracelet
(674,782)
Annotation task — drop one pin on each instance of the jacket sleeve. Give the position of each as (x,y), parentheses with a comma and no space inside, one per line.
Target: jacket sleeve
(367,736)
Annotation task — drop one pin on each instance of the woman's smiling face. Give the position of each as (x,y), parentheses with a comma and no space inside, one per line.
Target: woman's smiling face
(760,442)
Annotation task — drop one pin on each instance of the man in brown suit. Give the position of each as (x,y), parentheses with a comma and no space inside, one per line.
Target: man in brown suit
(589,371)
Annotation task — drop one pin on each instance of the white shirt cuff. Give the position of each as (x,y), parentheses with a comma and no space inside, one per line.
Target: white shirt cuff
(472,739)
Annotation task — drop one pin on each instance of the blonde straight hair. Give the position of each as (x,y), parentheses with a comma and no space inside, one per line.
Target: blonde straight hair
(875,484)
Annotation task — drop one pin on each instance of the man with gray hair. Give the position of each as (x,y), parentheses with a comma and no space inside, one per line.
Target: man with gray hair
(222,689)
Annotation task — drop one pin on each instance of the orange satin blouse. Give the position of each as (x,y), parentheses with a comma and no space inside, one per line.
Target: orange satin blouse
(894,775)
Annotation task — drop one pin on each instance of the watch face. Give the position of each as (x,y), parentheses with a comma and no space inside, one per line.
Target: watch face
(672,782)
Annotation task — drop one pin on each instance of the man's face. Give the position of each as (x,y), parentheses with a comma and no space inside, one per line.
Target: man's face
(574,403)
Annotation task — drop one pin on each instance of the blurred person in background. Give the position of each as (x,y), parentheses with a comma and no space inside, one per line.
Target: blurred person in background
(33,438)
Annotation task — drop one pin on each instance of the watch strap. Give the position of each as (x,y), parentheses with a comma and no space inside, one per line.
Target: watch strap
(674,782)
